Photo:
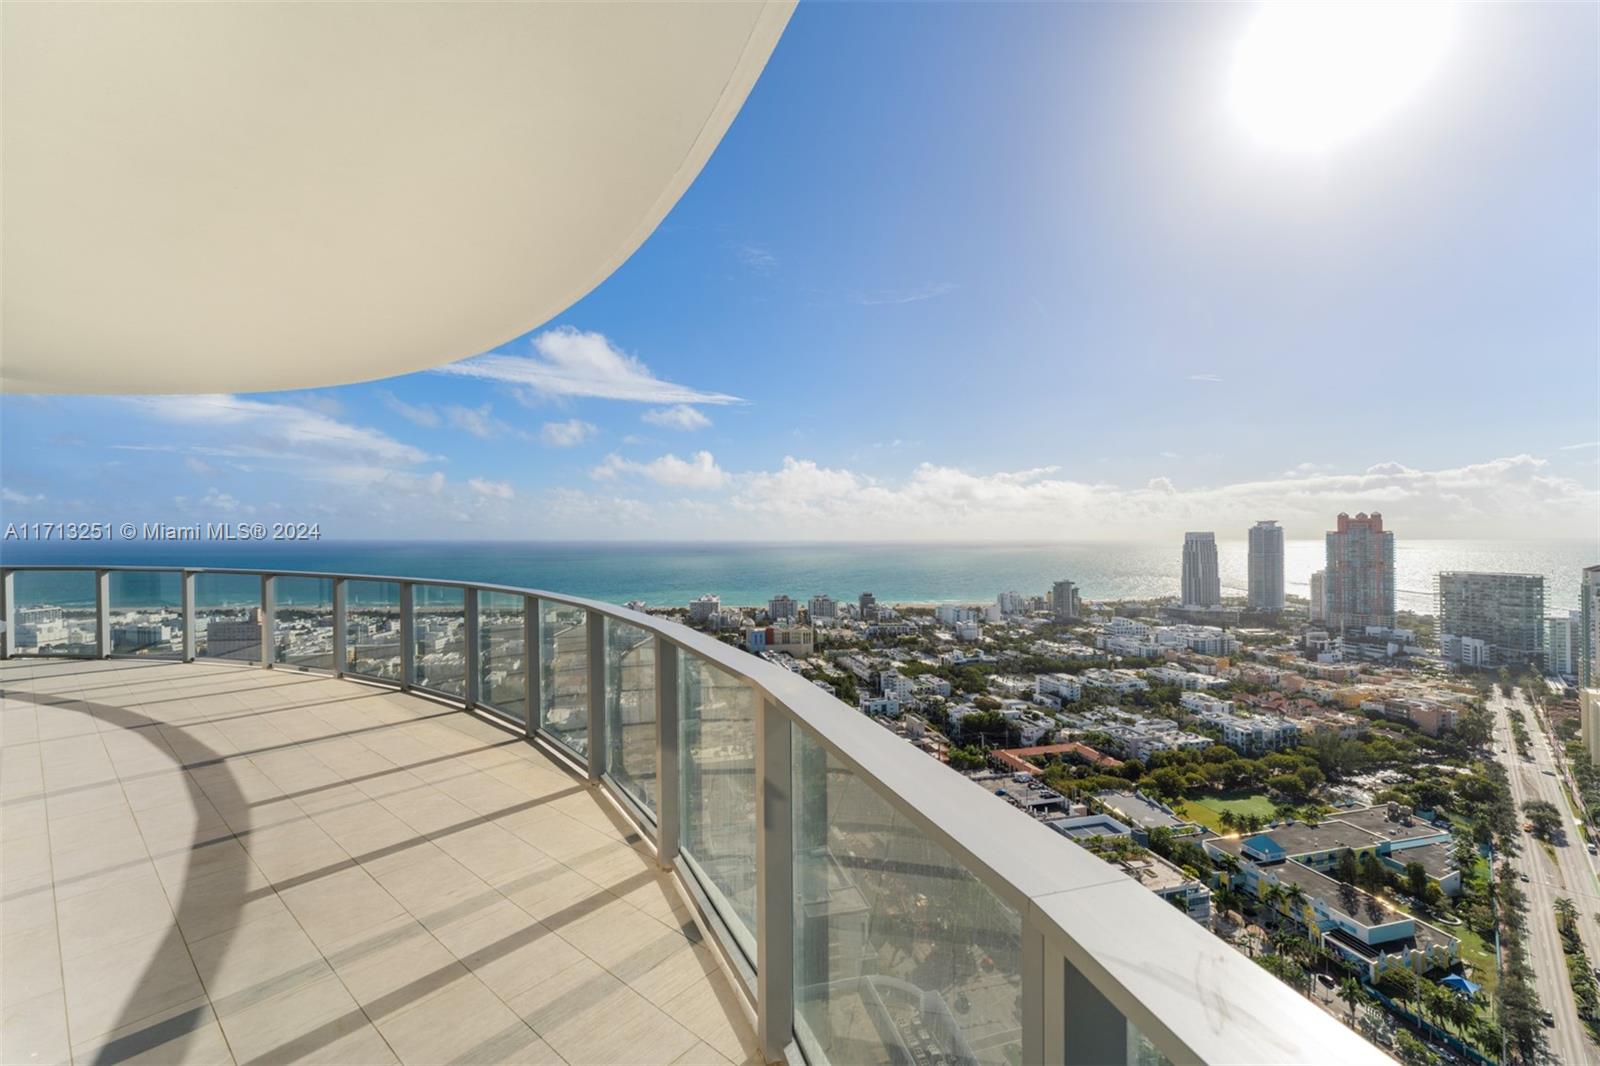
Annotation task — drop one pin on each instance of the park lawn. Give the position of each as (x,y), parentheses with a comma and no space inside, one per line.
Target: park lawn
(1480,954)
(1207,810)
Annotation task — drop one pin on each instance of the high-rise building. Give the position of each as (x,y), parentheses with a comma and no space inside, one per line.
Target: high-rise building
(1011,603)
(1265,591)
(822,606)
(1589,629)
(1491,620)
(1360,573)
(781,608)
(703,609)
(1202,582)
(1318,596)
(1065,605)
(1589,722)
(1563,650)
(868,606)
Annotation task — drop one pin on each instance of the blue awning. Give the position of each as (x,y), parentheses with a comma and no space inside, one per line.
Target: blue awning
(1460,984)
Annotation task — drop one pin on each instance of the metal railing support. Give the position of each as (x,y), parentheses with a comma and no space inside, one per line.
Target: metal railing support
(774,882)
(186,591)
(8,613)
(668,779)
(341,628)
(269,616)
(532,669)
(594,624)
(474,658)
(1095,1031)
(102,613)
(408,635)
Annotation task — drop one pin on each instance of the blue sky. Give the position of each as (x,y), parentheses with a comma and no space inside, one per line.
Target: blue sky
(989,271)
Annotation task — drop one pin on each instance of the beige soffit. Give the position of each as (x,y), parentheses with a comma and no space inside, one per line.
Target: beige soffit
(208,197)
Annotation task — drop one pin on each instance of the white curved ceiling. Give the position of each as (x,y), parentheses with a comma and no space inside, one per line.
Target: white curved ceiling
(207,197)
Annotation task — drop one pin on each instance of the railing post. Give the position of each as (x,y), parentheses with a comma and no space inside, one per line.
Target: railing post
(102,613)
(595,629)
(530,666)
(269,619)
(187,587)
(408,635)
(1095,1031)
(774,882)
(1043,998)
(469,607)
(8,613)
(341,628)
(668,780)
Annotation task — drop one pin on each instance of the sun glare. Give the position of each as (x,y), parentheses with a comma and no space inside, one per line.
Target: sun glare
(1310,76)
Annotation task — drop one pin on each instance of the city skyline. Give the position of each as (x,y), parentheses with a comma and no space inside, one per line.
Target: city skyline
(795,353)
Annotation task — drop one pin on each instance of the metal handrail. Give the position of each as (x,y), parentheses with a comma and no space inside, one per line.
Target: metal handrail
(1099,951)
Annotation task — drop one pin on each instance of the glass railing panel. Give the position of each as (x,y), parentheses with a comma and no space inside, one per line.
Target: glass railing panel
(631,711)
(227,617)
(900,954)
(439,628)
(146,613)
(1141,1052)
(717,752)
(502,654)
(564,674)
(372,629)
(54,613)
(302,631)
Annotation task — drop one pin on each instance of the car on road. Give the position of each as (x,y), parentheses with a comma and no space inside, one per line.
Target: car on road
(1523,878)
(1326,980)
(1548,1019)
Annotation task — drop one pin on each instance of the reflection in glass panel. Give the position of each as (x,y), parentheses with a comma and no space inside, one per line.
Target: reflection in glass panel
(900,954)
(440,630)
(631,710)
(372,628)
(146,613)
(302,632)
(564,674)
(717,721)
(1141,1052)
(227,617)
(502,658)
(55,613)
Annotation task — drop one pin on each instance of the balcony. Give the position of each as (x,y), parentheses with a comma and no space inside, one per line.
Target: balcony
(458,822)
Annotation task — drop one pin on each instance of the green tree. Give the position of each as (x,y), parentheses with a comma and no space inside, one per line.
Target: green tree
(1417,880)
(1347,870)
(1350,991)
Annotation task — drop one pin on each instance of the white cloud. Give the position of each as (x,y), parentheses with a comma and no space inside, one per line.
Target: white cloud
(276,428)
(419,414)
(479,421)
(1576,447)
(196,465)
(679,416)
(756,258)
(905,296)
(699,471)
(567,434)
(498,490)
(568,362)
(13,496)
(1213,378)
(1507,497)
(219,501)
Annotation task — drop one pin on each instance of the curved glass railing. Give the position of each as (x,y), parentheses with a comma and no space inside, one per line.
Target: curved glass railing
(878,907)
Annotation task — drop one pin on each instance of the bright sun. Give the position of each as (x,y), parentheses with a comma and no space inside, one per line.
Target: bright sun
(1309,76)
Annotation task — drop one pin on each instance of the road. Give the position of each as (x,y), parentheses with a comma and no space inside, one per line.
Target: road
(1571,875)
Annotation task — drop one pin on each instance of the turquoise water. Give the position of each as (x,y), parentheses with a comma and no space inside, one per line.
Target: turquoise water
(668,574)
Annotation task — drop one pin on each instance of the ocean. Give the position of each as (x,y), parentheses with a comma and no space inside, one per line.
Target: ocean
(751,573)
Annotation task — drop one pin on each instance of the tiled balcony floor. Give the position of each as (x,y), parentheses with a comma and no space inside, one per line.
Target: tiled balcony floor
(216,863)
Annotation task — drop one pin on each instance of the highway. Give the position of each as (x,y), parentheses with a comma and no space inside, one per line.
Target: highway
(1571,875)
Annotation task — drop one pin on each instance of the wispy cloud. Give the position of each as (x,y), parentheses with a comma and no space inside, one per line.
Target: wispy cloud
(904,296)
(570,363)
(568,434)
(678,416)
(13,496)
(498,490)
(273,429)
(418,414)
(699,471)
(1205,377)
(756,258)
(1576,447)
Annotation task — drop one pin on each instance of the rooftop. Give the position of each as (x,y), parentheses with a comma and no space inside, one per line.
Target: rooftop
(222,863)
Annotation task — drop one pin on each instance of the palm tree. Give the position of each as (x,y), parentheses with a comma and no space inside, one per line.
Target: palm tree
(1228,820)
(1350,991)
(1268,894)
(1295,897)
